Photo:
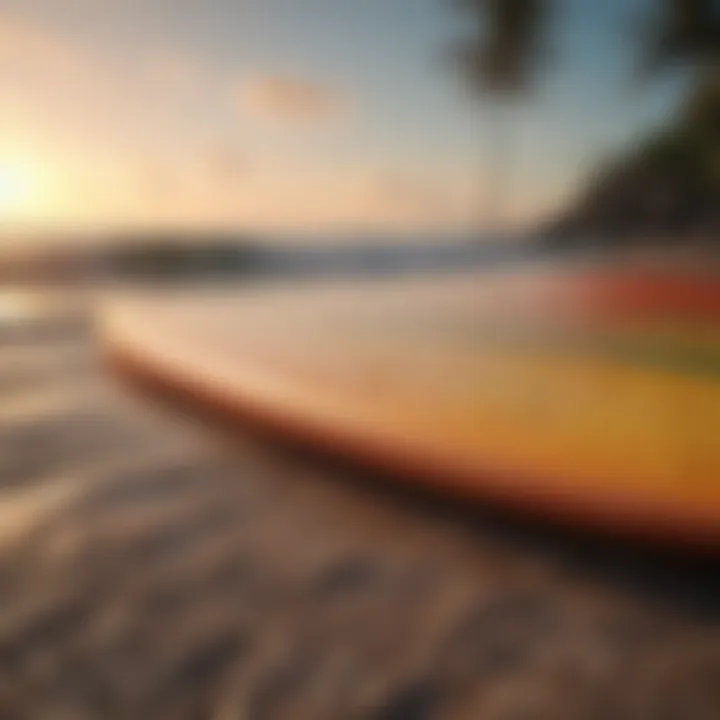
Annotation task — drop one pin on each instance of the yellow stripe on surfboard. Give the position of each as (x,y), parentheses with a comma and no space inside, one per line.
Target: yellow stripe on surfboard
(549,412)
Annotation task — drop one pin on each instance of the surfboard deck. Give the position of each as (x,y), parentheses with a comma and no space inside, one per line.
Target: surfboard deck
(588,396)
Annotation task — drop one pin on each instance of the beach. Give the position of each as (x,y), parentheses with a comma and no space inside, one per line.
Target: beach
(152,567)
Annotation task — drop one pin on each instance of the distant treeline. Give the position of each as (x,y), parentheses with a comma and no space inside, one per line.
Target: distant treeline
(178,257)
(172,258)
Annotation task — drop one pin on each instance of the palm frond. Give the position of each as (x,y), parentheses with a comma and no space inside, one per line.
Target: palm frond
(504,53)
(682,32)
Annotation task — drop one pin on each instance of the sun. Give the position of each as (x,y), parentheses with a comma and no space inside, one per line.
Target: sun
(18,185)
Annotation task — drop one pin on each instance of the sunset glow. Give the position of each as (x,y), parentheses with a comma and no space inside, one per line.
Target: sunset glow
(277,115)
(19,189)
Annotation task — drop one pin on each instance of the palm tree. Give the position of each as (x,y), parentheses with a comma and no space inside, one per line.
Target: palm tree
(507,45)
(687,33)
(501,58)
(684,32)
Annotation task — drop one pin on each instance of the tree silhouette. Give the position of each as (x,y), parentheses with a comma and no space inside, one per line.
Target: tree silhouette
(683,32)
(686,34)
(505,51)
(501,58)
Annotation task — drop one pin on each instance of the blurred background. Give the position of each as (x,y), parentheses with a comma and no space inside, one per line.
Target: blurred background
(152,570)
(293,123)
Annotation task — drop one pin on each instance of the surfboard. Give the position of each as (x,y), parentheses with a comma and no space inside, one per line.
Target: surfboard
(585,395)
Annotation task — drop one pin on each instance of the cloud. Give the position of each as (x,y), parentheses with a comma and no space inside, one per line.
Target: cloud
(28,47)
(172,69)
(289,99)
(50,58)
(228,165)
(408,195)
(403,198)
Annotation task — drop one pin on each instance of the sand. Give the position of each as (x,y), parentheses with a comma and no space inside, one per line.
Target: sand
(150,568)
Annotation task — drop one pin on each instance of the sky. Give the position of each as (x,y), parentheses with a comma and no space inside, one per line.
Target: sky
(320,116)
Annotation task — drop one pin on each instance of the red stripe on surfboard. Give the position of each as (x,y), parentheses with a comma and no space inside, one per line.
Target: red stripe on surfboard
(622,293)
